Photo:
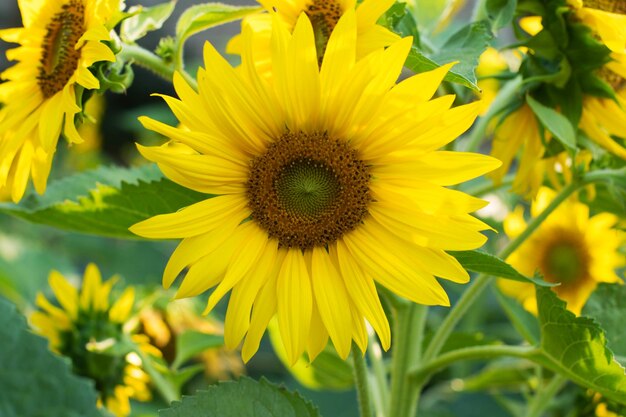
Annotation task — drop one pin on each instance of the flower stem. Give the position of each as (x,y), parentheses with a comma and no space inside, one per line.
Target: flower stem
(541,401)
(482,281)
(408,334)
(163,386)
(380,387)
(152,62)
(474,352)
(361,382)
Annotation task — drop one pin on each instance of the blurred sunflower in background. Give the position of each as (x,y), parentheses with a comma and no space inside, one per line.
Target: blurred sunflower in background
(91,331)
(325,180)
(58,43)
(165,323)
(324,15)
(604,118)
(570,247)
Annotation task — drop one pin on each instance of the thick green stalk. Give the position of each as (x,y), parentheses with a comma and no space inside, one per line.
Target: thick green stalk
(361,382)
(152,62)
(379,385)
(408,337)
(475,352)
(544,396)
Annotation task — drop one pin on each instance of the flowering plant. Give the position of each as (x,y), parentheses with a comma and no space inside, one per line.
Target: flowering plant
(347,177)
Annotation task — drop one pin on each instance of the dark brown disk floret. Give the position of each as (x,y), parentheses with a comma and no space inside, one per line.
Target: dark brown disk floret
(613,6)
(324,15)
(308,190)
(59,57)
(616,81)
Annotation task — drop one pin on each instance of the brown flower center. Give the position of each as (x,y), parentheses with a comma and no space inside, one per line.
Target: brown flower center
(324,15)
(616,81)
(565,259)
(59,58)
(308,190)
(613,6)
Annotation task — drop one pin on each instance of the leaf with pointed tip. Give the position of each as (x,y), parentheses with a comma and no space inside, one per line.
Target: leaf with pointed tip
(105,201)
(576,348)
(243,398)
(35,382)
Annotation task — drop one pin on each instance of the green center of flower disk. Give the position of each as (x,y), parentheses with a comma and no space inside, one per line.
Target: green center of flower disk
(59,57)
(324,15)
(566,262)
(308,190)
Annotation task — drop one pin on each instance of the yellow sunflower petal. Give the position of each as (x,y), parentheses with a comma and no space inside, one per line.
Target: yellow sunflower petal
(65,293)
(294,304)
(332,301)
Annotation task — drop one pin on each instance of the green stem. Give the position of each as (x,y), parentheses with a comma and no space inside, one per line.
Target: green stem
(482,281)
(480,11)
(544,396)
(474,352)
(361,382)
(504,97)
(408,334)
(152,62)
(163,386)
(380,387)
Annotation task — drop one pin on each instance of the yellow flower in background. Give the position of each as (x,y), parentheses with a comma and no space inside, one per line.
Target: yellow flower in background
(519,133)
(324,15)
(326,180)
(570,247)
(59,41)
(84,325)
(163,326)
(603,118)
(490,63)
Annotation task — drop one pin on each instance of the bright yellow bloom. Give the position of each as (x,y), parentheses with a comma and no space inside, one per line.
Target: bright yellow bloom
(569,247)
(519,133)
(490,63)
(327,180)
(603,118)
(324,15)
(84,325)
(164,326)
(59,41)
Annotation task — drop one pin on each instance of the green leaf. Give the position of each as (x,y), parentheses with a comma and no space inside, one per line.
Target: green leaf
(500,12)
(483,262)
(576,348)
(204,16)
(105,201)
(192,343)
(243,398)
(555,122)
(606,306)
(501,374)
(35,382)
(464,47)
(144,20)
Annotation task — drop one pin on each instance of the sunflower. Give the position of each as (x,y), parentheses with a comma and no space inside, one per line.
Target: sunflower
(325,181)
(84,326)
(490,64)
(519,133)
(59,41)
(324,15)
(570,248)
(604,118)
